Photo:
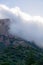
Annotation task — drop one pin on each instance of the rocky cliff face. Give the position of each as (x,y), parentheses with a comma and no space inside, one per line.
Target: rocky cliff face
(4,26)
(4,31)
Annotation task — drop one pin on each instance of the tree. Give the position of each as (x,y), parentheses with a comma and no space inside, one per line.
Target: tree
(5,63)
(30,59)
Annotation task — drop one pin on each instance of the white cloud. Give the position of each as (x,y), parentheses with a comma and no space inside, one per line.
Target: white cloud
(24,25)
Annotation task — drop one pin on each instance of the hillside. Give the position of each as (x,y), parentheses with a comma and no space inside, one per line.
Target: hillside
(17,51)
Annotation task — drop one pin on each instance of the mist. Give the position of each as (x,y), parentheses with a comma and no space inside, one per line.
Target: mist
(23,24)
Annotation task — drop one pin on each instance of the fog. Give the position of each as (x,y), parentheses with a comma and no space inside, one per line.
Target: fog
(23,24)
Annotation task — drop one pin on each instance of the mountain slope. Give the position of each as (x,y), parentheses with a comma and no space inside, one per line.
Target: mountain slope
(15,50)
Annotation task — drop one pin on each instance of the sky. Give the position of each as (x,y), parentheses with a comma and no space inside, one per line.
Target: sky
(32,7)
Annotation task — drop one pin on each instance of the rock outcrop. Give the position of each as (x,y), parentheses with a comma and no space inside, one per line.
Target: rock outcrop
(4,26)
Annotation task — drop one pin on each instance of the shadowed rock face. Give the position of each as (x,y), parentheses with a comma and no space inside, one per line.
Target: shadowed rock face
(4,26)
(4,31)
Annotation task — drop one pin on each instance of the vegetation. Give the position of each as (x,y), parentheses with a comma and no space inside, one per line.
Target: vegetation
(20,54)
